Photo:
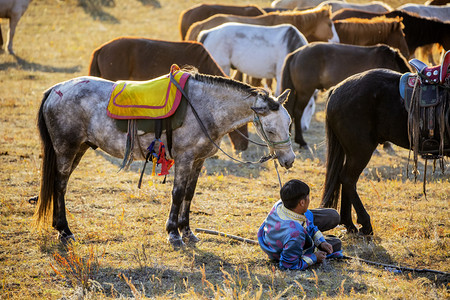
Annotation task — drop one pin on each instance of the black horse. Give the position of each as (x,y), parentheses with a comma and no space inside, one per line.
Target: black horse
(362,111)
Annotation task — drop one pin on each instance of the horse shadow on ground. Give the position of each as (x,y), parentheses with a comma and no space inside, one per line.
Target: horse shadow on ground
(95,10)
(30,66)
(147,277)
(154,3)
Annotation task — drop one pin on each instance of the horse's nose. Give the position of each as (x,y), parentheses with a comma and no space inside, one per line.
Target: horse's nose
(287,161)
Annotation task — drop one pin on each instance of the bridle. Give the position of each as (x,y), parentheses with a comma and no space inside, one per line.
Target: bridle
(273,145)
(262,134)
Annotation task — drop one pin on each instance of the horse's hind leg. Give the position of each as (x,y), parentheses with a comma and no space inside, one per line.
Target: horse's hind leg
(183,217)
(66,165)
(354,165)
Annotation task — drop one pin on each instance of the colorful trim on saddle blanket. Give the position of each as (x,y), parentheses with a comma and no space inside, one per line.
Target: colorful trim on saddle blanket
(153,99)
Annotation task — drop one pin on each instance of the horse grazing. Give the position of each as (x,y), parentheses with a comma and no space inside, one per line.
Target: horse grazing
(72,118)
(12,10)
(321,65)
(419,31)
(203,11)
(258,51)
(378,30)
(129,58)
(362,111)
(315,24)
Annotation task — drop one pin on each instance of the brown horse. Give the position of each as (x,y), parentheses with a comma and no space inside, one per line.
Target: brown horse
(201,12)
(128,58)
(380,30)
(315,24)
(12,10)
(321,65)
(419,31)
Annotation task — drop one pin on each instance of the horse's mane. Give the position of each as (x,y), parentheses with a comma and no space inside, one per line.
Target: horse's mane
(314,10)
(309,18)
(246,88)
(379,28)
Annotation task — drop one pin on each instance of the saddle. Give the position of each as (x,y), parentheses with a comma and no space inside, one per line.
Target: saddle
(149,106)
(426,95)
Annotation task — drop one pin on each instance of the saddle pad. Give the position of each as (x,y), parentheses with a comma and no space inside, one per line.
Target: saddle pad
(153,99)
(147,125)
(429,94)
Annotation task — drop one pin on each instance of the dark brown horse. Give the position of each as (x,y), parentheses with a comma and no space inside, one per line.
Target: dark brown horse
(362,111)
(203,11)
(129,58)
(315,23)
(374,31)
(319,65)
(419,31)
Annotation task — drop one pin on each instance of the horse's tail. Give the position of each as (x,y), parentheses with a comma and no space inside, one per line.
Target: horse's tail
(334,165)
(94,70)
(48,170)
(286,83)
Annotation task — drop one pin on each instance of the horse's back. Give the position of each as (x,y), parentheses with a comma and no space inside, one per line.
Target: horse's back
(203,11)
(143,59)
(376,88)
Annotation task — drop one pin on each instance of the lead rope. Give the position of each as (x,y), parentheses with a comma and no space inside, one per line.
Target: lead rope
(387,267)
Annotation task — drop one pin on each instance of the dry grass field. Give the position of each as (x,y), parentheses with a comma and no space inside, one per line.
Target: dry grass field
(122,249)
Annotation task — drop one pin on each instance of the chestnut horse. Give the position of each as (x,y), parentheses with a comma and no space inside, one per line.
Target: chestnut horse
(319,65)
(378,30)
(373,6)
(315,24)
(129,58)
(203,11)
(419,31)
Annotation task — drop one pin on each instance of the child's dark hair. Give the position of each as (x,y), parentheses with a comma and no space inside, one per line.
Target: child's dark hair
(292,192)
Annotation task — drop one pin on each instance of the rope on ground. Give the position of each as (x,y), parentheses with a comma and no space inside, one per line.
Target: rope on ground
(387,267)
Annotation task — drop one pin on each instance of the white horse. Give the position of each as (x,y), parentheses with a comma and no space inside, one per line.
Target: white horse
(12,10)
(258,51)
(72,118)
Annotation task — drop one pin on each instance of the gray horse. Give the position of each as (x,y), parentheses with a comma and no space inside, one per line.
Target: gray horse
(72,118)
(12,10)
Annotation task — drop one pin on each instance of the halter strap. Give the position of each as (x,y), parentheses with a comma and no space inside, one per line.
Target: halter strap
(205,131)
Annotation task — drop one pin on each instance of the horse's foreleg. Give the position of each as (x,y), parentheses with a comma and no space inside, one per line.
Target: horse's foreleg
(183,217)
(12,30)
(182,174)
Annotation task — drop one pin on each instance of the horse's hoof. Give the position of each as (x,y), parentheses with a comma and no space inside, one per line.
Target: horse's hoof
(351,229)
(366,231)
(176,242)
(191,239)
(65,239)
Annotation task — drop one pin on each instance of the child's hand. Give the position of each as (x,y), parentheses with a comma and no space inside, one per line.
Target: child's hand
(321,255)
(326,247)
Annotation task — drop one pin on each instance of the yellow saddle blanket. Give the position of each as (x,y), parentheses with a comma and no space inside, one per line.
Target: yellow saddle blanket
(153,99)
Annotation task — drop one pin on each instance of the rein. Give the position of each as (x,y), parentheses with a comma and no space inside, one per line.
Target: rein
(258,126)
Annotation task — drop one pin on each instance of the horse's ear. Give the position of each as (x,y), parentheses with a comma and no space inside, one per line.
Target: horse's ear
(283,97)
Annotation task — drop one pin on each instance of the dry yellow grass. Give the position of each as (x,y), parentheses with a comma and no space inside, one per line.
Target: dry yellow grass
(120,229)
